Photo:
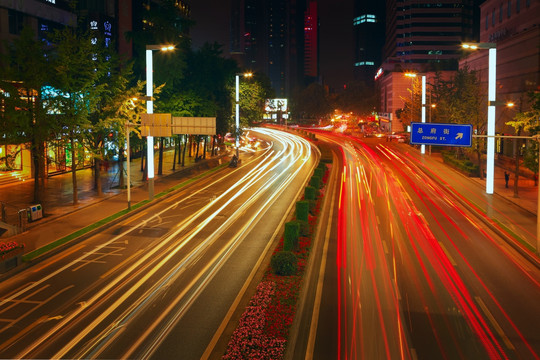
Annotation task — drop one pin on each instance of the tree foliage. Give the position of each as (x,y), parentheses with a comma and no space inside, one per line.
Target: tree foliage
(311,103)
(24,74)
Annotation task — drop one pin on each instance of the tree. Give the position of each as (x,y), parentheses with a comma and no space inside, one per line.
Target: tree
(24,118)
(251,101)
(459,101)
(106,126)
(78,83)
(528,121)
(312,103)
(357,98)
(207,76)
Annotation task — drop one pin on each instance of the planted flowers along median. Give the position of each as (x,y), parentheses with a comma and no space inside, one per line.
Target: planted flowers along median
(263,329)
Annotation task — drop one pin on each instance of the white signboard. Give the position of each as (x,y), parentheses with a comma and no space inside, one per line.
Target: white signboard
(194,125)
(158,125)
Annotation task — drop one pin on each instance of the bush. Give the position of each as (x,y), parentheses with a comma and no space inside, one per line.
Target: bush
(303,227)
(464,165)
(312,207)
(284,263)
(302,210)
(318,172)
(292,231)
(315,182)
(311,193)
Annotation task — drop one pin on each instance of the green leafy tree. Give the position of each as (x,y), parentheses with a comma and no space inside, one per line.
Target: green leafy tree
(251,101)
(527,121)
(78,79)
(24,120)
(208,75)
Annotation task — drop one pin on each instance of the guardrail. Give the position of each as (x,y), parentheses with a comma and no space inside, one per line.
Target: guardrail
(14,216)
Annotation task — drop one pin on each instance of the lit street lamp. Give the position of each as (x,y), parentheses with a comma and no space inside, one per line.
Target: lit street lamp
(492,76)
(150,110)
(237,109)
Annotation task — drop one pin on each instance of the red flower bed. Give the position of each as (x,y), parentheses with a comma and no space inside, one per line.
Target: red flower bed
(248,340)
(7,247)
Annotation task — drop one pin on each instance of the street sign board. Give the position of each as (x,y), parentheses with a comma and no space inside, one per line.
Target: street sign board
(194,125)
(441,134)
(158,125)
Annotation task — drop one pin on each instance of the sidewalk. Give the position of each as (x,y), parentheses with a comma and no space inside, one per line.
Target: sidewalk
(62,218)
(511,217)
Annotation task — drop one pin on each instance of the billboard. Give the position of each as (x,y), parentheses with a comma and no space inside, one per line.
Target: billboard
(275,105)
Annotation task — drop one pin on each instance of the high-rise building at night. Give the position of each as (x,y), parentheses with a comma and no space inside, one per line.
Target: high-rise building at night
(419,33)
(268,36)
(369,38)
(311,41)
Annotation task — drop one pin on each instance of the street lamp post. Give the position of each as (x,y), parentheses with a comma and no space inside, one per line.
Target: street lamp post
(150,110)
(492,77)
(237,110)
(423,110)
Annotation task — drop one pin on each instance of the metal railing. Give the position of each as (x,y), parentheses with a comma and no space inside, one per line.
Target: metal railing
(14,216)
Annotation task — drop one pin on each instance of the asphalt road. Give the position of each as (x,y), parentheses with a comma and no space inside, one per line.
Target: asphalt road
(411,274)
(159,284)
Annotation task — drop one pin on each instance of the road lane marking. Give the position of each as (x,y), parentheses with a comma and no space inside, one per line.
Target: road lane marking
(135,217)
(123,263)
(450,258)
(61,256)
(494,323)
(23,332)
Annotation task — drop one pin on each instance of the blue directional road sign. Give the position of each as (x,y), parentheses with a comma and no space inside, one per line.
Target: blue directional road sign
(441,134)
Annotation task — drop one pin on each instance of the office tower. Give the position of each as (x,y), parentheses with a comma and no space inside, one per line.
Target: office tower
(311,41)
(268,36)
(424,35)
(369,38)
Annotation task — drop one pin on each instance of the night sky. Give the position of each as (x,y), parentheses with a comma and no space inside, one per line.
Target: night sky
(336,36)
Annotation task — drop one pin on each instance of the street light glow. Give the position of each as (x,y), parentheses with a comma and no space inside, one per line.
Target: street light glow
(492,78)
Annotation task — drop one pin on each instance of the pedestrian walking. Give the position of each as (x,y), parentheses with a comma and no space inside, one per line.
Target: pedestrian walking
(506,178)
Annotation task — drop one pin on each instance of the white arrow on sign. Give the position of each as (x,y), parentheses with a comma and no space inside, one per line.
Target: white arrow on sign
(459,136)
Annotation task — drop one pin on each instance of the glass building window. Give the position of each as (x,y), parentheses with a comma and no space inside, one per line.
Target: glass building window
(487,21)
(501,13)
(493,18)
(509,8)
(518,3)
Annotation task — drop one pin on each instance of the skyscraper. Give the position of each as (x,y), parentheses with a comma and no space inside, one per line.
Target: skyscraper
(267,36)
(420,34)
(311,41)
(369,38)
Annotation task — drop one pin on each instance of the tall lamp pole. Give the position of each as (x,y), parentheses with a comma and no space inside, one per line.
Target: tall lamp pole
(492,77)
(237,109)
(423,110)
(150,110)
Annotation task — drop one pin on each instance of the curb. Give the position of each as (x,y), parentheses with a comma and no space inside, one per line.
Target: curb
(531,257)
